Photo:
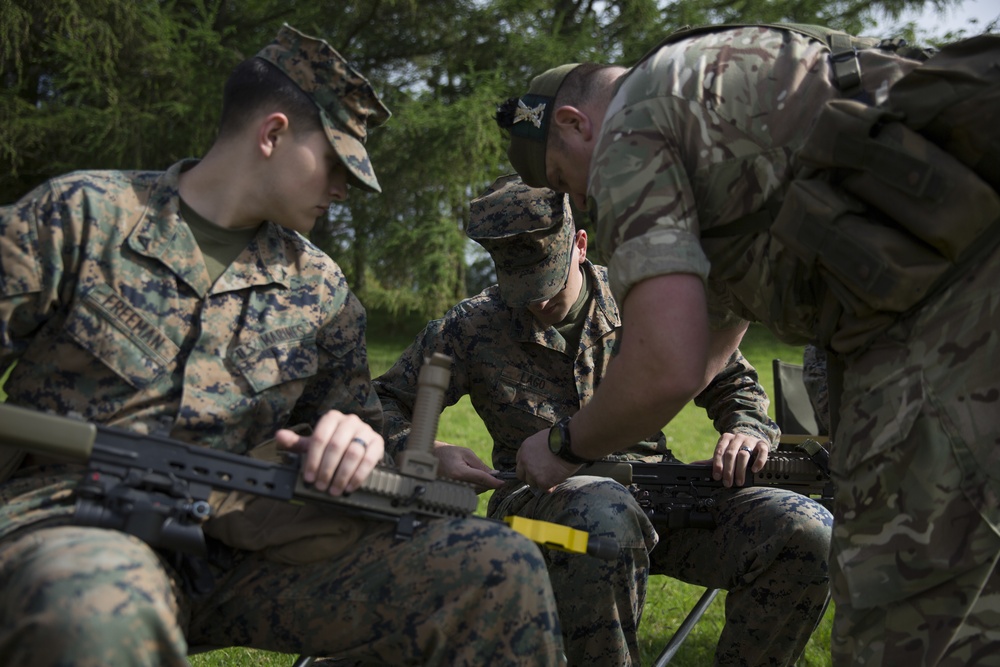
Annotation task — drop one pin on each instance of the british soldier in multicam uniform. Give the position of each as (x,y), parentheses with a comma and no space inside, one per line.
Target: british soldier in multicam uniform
(674,154)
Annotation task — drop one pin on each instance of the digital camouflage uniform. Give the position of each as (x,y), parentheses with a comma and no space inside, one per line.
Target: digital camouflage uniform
(712,123)
(769,550)
(108,311)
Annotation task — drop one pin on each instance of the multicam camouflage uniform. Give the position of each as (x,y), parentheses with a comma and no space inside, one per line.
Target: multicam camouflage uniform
(770,547)
(107,308)
(712,124)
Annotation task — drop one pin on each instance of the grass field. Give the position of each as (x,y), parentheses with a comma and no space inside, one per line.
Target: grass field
(690,435)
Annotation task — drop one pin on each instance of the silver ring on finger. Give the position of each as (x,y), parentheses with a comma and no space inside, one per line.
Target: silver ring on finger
(360,442)
(746,449)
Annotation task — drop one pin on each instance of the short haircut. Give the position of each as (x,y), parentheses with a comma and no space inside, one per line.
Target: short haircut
(584,83)
(255,85)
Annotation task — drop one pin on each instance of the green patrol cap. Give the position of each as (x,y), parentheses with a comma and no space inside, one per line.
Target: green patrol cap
(526,120)
(529,234)
(348,105)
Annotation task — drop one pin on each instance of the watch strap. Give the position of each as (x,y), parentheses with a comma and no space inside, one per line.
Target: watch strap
(565,451)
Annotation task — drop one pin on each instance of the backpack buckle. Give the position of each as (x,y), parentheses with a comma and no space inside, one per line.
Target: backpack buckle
(846,71)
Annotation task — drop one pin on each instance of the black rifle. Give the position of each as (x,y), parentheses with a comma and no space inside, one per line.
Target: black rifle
(678,495)
(681,495)
(157,488)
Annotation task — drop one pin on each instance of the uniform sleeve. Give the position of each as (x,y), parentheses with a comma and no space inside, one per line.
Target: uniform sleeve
(647,218)
(397,391)
(344,382)
(30,268)
(737,403)
(397,387)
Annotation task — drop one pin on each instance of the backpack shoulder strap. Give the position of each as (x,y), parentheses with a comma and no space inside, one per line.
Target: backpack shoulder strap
(843,47)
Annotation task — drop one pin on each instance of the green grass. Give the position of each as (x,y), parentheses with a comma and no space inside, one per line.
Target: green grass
(690,435)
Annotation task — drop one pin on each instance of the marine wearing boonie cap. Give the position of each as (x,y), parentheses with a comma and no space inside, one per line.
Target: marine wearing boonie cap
(529,234)
(526,120)
(348,106)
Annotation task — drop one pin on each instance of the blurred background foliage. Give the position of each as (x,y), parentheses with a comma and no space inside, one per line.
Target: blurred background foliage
(136,84)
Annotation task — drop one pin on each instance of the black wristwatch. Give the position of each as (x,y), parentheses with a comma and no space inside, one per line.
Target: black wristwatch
(559,443)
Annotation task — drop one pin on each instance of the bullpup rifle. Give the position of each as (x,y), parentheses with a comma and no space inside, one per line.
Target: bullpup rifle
(158,489)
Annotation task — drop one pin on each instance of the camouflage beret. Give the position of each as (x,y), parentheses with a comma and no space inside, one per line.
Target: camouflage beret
(529,234)
(526,120)
(347,104)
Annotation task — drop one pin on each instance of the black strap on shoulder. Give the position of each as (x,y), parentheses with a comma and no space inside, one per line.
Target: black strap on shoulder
(843,47)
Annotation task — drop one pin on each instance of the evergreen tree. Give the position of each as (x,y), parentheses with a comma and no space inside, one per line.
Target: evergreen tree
(137,84)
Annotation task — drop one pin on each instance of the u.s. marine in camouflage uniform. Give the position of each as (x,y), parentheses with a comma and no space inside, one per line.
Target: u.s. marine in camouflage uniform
(529,351)
(700,135)
(188,303)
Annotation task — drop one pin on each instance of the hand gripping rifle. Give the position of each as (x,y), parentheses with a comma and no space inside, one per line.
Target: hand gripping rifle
(157,488)
(678,495)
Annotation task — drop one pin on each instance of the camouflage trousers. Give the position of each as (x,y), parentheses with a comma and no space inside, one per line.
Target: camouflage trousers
(769,550)
(917,467)
(459,592)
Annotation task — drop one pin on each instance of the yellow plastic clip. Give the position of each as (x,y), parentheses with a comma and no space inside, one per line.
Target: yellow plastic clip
(551,535)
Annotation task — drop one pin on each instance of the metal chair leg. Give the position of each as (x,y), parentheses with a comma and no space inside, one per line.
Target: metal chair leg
(685,629)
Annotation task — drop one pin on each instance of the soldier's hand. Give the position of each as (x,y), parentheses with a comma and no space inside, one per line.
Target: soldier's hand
(538,467)
(733,452)
(461,463)
(339,455)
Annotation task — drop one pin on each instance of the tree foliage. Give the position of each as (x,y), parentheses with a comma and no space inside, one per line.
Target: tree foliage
(137,84)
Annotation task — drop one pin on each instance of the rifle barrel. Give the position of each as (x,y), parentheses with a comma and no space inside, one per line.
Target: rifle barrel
(46,435)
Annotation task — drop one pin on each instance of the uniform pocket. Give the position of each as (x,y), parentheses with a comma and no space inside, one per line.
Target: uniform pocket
(970,424)
(526,392)
(276,375)
(880,419)
(277,364)
(119,336)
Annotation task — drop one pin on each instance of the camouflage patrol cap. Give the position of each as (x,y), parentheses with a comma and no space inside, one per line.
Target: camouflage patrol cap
(526,120)
(347,104)
(529,234)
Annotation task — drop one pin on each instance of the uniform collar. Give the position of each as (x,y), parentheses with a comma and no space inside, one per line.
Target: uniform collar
(160,236)
(602,315)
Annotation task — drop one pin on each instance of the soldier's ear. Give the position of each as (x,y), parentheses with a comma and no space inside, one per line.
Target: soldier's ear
(570,121)
(581,244)
(271,130)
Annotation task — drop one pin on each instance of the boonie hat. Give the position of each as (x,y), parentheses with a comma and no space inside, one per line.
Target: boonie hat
(529,234)
(526,120)
(348,106)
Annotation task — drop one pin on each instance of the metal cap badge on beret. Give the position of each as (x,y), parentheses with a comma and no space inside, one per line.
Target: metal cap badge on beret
(348,106)
(526,120)
(529,234)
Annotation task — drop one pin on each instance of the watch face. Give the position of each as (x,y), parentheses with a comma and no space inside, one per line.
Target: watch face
(555,439)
